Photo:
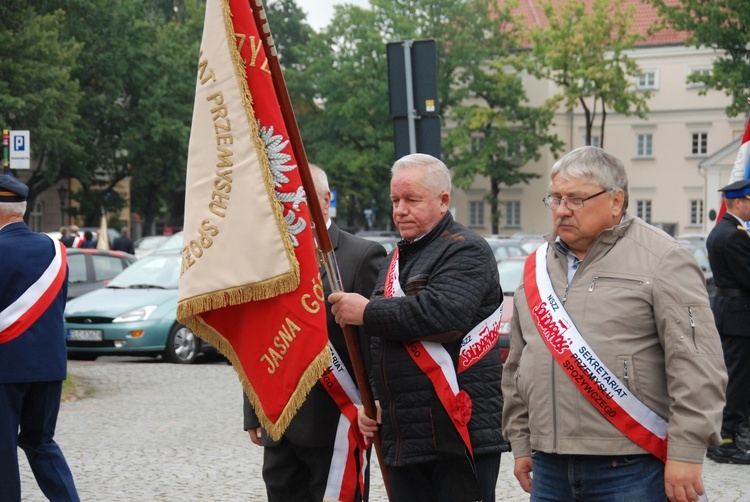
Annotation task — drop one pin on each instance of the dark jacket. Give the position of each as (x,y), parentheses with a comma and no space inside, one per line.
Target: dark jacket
(315,423)
(123,243)
(728,247)
(451,283)
(39,354)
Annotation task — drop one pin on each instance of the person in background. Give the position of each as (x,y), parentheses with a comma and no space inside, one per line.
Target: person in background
(728,247)
(88,240)
(69,236)
(613,349)
(123,242)
(309,463)
(438,294)
(33,358)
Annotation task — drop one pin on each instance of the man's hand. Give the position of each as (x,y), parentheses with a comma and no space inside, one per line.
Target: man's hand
(369,426)
(522,470)
(255,436)
(683,481)
(348,308)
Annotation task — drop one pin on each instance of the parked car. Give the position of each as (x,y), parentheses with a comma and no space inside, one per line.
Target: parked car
(147,245)
(90,269)
(173,243)
(511,274)
(388,242)
(135,314)
(505,247)
(698,249)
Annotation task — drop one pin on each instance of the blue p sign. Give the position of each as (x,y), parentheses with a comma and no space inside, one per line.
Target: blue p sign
(19,143)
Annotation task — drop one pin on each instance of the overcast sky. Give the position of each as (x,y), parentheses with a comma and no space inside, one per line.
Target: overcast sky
(319,12)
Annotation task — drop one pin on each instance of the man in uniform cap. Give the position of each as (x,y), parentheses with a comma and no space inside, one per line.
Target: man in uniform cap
(32,350)
(729,254)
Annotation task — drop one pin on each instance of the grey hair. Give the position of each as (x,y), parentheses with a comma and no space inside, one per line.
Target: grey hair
(436,174)
(320,179)
(13,208)
(593,165)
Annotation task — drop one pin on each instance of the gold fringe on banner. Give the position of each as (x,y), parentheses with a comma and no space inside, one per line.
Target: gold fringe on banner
(236,296)
(309,378)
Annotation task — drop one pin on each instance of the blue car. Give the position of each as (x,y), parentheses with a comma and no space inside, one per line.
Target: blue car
(135,314)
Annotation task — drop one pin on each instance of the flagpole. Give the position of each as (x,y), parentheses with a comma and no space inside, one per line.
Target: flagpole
(316,214)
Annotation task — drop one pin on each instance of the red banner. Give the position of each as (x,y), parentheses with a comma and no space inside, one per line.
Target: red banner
(250,283)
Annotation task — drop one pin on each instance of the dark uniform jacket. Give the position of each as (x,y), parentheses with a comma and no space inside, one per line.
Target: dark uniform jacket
(39,354)
(728,247)
(315,423)
(450,280)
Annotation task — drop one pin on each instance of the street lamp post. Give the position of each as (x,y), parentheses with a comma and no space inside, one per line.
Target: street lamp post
(63,193)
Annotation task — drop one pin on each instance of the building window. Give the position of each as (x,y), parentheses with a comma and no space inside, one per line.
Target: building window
(647,80)
(643,210)
(476,213)
(35,217)
(596,141)
(696,212)
(477,143)
(698,72)
(513,213)
(699,143)
(645,146)
(512,150)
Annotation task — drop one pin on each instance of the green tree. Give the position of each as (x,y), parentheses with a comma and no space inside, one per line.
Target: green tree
(341,88)
(499,134)
(584,51)
(725,26)
(137,74)
(37,90)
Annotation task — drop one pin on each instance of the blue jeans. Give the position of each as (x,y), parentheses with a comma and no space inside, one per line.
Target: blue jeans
(592,478)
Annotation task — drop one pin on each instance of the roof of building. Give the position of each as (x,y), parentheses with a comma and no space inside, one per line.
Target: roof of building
(646,17)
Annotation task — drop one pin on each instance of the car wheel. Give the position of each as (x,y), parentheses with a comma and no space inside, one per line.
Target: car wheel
(183,346)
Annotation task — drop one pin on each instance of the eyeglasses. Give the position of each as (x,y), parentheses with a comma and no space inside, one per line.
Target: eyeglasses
(572,203)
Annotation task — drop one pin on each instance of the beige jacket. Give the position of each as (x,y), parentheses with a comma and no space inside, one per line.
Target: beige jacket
(639,301)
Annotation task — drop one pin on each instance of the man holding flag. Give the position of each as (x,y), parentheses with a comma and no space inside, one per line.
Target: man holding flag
(433,320)
(321,455)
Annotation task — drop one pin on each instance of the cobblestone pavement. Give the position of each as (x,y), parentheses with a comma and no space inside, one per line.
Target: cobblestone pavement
(142,430)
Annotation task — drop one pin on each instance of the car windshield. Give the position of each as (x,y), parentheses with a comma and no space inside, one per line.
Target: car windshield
(510,272)
(173,243)
(153,271)
(150,242)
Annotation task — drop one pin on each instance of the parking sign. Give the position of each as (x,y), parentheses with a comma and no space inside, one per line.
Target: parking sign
(20,150)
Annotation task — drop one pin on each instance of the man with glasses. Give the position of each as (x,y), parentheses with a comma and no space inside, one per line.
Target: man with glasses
(613,351)
(729,254)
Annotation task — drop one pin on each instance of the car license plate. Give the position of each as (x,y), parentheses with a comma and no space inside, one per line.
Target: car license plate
(87,335)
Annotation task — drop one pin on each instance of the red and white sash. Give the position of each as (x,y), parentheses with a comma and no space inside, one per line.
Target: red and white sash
(26,310)
(343,478)
(436,363)
(587,371)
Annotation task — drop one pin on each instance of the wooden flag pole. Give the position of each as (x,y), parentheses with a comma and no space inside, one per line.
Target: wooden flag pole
(316,214)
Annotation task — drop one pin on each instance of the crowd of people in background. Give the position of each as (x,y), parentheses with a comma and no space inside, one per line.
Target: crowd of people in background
(70,237)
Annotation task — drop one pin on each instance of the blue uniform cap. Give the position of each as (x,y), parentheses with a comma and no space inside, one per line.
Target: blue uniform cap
(12,190)
(737,189)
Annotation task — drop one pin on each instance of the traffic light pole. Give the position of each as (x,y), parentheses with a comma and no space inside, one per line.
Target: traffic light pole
(411,116)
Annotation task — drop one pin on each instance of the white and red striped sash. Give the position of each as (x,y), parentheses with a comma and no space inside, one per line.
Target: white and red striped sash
(27,308)
(436,363)
(584,368)
(343,478)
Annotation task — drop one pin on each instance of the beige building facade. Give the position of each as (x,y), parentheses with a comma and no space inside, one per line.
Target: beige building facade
(676,159)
